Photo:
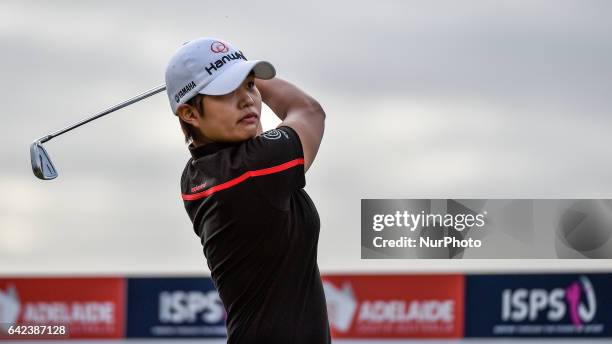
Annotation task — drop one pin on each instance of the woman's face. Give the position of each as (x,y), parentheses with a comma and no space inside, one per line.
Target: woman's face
(231,117)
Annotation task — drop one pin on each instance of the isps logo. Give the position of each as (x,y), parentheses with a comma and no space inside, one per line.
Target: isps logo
(519,305)
(178,307)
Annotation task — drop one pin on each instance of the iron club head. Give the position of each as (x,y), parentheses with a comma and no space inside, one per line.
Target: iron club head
(41,163)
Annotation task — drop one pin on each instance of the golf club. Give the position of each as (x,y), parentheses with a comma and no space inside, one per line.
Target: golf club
(42,166)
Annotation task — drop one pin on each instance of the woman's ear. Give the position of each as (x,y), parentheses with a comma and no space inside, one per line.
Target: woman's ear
(187,114)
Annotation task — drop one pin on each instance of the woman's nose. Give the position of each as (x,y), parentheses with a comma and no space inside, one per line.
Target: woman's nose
(246,99)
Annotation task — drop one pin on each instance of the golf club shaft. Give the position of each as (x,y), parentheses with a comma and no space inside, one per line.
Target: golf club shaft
(106,112)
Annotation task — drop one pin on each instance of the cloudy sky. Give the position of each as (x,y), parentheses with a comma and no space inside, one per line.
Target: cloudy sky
(424,99)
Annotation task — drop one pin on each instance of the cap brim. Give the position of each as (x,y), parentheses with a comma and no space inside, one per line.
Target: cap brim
(231,78)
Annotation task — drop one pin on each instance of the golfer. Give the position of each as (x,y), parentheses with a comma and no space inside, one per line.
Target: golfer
(243,190)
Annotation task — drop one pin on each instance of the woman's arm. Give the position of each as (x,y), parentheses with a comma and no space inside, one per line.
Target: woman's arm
(297,110)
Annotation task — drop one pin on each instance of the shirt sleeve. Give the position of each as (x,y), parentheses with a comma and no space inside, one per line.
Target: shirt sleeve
(275,161)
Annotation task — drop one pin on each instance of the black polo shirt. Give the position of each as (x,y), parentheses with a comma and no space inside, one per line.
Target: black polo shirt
(259,231)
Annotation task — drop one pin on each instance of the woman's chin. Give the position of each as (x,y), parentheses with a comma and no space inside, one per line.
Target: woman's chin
(249,132)
(243,135)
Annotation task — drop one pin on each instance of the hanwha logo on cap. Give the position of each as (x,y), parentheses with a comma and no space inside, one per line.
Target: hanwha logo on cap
(218,47)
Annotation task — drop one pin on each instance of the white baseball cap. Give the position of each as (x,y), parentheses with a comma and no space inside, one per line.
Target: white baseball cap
(209,66)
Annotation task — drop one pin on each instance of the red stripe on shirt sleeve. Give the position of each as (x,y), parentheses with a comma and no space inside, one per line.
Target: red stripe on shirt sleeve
(243,177)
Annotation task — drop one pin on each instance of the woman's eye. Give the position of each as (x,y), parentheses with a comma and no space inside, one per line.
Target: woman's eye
(251,84)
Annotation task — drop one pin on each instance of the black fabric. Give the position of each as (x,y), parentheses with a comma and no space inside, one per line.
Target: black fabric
(259,230)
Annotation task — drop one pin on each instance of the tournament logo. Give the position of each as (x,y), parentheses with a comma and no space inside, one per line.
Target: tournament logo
(578,299)
(539,305)
(90,307)
(9,307)
(174,308)
(218,47)
(394,306)
(341,305)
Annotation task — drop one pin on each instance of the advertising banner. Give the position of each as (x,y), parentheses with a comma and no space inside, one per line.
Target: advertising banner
(61,308)
(395,306)
(555,305)
(174,307)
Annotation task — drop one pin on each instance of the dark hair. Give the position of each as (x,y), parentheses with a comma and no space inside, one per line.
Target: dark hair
(188,130)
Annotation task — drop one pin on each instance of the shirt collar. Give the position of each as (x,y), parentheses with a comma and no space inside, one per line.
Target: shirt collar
(200,151)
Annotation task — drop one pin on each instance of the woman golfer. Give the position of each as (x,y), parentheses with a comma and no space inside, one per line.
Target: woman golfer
(243,191)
